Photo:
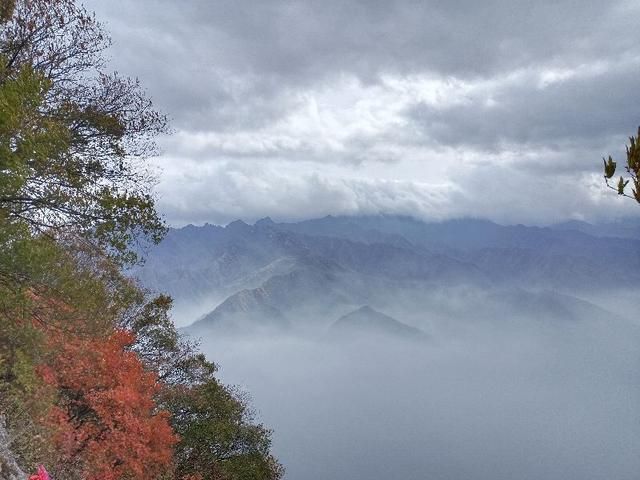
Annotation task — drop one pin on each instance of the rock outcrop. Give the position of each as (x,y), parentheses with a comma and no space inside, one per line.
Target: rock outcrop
(9,469)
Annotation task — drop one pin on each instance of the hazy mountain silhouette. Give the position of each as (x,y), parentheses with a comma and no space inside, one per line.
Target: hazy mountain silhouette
(282,275)
(367,321)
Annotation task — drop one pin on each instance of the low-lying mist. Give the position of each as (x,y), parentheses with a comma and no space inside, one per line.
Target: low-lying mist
(385,347)
(504,399)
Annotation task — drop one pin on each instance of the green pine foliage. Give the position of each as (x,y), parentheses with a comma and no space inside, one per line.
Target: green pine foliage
(632,169)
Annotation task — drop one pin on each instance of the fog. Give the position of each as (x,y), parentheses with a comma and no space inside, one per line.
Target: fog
(506,398)
(382,348)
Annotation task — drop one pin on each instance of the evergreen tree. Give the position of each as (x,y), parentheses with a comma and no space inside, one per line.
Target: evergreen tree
(632,168)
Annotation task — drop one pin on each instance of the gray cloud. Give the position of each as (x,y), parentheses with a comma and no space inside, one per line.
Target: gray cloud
(295,40)
(587,109)
(254,48)
(231,191)
(402,97)
(251,191)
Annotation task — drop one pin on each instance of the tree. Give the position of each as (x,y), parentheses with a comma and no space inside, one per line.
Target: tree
(107,423)
(73,139)
(87,357)
(218,436)
(632,168)
(73,156)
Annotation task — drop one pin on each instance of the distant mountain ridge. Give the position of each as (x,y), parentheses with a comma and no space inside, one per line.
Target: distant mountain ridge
(245,310)
(285,274)
(622,228)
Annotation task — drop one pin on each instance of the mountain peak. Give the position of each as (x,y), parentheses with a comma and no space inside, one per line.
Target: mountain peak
(367,310)
(368,320)
(264,222)
(238,226)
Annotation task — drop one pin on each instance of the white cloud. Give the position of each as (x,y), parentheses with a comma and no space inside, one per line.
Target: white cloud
(199,192)
(499,109)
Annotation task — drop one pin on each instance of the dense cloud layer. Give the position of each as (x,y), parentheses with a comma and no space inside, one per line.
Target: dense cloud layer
(433,108)
(496,404)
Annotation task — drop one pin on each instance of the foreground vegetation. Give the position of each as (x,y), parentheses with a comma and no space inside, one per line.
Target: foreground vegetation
(95,382)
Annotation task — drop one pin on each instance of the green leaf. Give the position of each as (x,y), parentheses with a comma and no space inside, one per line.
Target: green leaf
(621,185)
(609,167)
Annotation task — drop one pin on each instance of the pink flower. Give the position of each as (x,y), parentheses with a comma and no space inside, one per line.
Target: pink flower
(41,475)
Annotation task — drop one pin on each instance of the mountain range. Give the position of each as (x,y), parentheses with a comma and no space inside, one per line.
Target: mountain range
(306,275)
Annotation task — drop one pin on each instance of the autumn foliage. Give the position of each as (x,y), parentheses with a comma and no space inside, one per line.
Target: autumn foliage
(107,421)
(42,474)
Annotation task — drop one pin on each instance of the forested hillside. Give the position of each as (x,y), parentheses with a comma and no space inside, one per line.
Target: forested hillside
(95,382)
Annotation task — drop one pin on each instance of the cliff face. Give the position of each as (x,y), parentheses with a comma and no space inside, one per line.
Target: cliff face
(9,469)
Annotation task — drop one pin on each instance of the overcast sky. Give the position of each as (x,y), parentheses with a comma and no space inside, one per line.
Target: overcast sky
(296,109)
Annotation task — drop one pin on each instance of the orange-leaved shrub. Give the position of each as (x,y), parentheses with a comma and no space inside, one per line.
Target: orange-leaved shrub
(107,423)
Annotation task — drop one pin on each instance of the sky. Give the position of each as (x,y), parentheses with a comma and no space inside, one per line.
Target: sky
(436,109)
